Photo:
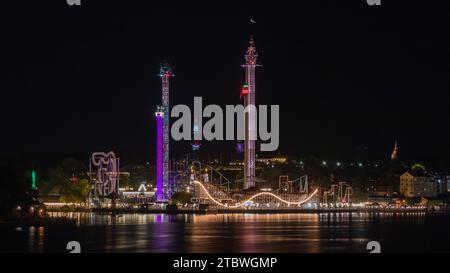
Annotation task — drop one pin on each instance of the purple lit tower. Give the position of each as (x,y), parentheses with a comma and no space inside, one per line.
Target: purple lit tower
(165,73)
(248,94)
(159,154)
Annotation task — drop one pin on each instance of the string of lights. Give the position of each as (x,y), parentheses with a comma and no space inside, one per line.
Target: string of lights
(254,196)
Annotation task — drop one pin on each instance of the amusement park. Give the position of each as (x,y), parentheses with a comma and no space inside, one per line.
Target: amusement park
(196,185)
(193,184)
(208,188)
(191,128)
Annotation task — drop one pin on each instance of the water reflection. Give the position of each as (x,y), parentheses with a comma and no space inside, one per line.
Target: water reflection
(324,232)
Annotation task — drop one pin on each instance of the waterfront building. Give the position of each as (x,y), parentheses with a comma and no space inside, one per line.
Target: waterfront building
(272,160)
(442,182)
(417,184)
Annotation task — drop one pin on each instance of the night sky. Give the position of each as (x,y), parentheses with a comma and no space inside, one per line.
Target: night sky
(349,78)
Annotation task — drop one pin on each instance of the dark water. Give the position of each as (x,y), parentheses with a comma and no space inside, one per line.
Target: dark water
(336,232)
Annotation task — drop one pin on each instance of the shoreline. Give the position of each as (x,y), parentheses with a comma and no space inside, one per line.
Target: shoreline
(63,221)
(250,211)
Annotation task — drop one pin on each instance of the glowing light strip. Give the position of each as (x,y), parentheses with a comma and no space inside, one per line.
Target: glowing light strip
(254,196)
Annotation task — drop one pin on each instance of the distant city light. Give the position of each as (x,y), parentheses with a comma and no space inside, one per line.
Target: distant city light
(33,179)
(360,164)
(324,163)
(338,164)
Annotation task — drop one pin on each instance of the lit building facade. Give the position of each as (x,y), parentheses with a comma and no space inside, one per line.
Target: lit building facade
(442,181)
(417,185)
(273,160)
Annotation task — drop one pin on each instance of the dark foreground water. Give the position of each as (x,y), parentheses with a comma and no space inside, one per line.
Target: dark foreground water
(336,232)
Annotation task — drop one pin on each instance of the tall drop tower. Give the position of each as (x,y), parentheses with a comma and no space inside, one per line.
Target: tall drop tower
(159,114)
(248,94)
(165,73)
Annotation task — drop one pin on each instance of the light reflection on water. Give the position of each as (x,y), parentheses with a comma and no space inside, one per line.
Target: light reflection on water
(325,232)
(86,218)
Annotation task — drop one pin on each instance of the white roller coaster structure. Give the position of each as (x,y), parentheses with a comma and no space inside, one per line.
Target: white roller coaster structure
(215,191)
(253,197)
(339,193)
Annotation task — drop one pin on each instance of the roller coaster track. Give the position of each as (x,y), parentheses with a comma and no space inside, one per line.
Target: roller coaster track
(216,188)
(196,168)
(217,202)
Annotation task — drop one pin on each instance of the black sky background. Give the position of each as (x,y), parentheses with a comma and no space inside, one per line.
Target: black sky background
(349,78)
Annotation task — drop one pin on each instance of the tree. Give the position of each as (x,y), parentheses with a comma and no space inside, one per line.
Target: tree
(70,180)
(75,191)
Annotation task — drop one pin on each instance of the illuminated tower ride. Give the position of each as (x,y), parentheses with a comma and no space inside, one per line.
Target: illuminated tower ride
(165,73)
(159,154)
(248,94)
